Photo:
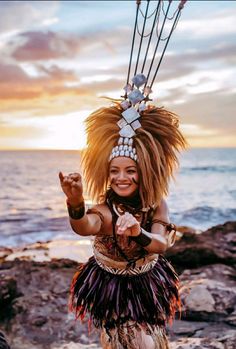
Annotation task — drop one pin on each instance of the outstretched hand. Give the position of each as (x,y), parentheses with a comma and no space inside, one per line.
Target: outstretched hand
(72,187)
(128,225)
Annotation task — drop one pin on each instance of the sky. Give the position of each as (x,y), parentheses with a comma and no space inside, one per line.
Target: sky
(59,58)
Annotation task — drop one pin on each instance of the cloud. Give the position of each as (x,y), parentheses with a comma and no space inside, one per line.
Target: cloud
(46,72)
(223,52)
(14,80)
(208,110)
(209,25)
(16,16)
(45,46)
(10,73)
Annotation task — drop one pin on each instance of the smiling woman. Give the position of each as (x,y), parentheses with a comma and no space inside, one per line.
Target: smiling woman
(128,289)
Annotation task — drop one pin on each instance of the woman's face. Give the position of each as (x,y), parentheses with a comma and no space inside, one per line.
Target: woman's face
(123,176)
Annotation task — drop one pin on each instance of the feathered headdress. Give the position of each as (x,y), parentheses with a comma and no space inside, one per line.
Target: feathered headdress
(147,134)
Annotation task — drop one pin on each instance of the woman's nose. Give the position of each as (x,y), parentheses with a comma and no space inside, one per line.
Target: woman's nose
(122,175)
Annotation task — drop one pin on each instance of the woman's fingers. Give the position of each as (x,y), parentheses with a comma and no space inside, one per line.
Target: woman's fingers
(61,177)
(75,176)
(125,222)
(71,185)
(77,186)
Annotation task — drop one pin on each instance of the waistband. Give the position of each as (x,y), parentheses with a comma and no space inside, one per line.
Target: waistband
(122,268)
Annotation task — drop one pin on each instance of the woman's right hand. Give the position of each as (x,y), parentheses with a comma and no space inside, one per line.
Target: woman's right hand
(72,187)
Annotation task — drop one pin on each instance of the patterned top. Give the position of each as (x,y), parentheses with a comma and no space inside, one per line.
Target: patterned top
(107,246)
(117,247)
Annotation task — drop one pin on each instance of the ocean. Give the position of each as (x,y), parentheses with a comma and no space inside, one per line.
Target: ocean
(32,205)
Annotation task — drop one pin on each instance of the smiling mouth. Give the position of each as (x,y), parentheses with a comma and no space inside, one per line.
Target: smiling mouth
(122,186)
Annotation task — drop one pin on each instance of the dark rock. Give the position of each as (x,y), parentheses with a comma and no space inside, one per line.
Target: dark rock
(8,292)
(38,320)
(208,293)
(186,328)
(41,312)
(4,252)
(215,245)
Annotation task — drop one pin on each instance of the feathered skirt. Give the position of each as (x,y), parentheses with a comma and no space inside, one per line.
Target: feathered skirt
(145,296)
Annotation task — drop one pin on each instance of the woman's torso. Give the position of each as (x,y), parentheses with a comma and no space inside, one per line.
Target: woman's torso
(112,245)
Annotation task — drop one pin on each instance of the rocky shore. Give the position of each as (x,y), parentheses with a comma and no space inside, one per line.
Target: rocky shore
(34,287)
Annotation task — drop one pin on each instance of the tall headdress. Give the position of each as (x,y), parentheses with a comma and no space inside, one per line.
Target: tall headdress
(147,134)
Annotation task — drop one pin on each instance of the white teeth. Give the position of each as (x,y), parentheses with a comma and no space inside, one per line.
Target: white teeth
(123,185)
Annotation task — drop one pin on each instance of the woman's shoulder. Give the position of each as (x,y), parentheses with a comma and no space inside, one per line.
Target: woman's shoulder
(160,213)
(162,209)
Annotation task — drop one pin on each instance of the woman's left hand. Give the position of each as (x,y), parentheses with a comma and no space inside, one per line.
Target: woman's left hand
(128,225)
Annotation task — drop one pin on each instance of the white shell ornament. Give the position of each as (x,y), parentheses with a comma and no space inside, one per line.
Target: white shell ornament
(136,124)
(139,80)
(142,107)
(128,88)
(147,90)
(125,104)
(130,141)
(135,96)
(127,131)
(130,115)
(120,141)
(121,123)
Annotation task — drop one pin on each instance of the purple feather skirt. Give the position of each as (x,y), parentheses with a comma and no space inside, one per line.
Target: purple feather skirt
(111,300)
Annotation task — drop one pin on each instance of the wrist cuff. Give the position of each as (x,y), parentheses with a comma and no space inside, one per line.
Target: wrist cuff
(142,239)
(76,212)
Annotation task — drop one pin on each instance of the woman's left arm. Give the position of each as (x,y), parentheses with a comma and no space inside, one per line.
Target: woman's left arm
(158,234)
(155,241)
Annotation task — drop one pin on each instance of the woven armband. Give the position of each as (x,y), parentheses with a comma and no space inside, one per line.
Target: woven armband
(76,212)
(142,239)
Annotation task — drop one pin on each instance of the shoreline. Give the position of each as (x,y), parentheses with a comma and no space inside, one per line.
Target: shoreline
(78,250)
(35,283)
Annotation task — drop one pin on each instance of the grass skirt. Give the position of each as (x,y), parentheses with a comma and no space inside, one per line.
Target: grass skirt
(149,299)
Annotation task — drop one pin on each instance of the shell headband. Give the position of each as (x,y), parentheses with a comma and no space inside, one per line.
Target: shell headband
(135,100)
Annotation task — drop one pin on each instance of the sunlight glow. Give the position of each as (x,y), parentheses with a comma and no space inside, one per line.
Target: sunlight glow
(52,132)
(63,132)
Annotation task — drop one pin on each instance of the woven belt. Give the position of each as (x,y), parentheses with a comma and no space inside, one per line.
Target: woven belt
(121,268)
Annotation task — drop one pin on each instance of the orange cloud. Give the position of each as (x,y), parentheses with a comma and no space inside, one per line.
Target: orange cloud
(45,46)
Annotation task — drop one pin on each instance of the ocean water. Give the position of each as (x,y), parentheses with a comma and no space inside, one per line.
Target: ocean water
(32,205)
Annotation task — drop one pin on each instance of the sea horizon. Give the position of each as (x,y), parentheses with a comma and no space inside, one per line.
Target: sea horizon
(32,206)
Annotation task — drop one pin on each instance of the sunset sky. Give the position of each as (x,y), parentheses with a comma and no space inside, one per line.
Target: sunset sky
(57,58)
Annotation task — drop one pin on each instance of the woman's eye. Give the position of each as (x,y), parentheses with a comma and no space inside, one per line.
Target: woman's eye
(131,171)
(113,171)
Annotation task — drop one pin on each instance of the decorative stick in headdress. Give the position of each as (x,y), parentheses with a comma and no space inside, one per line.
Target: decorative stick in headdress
(147,134)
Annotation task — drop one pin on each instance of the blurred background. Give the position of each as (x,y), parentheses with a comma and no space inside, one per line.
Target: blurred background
(58,58)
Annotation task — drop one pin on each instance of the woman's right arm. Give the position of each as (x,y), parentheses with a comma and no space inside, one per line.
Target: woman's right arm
(82,223)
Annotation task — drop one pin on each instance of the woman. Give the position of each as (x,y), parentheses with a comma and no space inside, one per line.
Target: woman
(128,288)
